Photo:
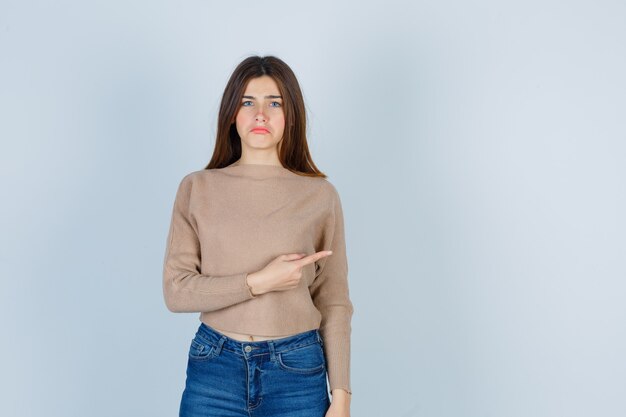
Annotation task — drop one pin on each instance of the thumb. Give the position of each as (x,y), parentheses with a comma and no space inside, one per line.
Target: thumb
(293,256)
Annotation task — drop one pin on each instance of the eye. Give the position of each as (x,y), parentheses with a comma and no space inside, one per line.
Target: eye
(277,102)
(244,103)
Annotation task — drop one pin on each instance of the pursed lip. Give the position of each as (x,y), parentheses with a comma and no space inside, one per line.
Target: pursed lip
(260,129)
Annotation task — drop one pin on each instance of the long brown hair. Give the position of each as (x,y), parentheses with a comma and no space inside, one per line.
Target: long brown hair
(293,150)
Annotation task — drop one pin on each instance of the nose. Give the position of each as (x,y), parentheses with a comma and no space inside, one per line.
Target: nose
(260,116)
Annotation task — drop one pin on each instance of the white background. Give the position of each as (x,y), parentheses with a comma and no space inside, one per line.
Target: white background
(478,148)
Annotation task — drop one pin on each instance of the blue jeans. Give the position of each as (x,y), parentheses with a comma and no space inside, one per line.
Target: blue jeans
(284,377)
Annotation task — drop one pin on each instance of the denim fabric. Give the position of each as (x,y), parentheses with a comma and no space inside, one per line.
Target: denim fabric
(284,377)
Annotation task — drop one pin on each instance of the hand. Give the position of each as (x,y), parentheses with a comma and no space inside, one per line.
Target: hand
(340,404)
(338,409)
(283,273)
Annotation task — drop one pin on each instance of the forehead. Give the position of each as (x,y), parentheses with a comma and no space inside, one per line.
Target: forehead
(261,86)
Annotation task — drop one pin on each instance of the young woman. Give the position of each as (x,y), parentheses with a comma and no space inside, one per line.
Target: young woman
(257,247)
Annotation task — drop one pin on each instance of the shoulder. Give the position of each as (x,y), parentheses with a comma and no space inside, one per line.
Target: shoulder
(329,193)
(188,184)
(329,188)
(195,177)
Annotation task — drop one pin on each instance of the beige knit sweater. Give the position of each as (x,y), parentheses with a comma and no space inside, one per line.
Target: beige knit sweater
(232,221)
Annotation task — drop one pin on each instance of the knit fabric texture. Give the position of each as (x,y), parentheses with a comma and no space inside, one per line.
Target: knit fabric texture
(230,222)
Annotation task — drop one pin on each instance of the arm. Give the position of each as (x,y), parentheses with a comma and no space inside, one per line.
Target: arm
(330,294)
(185,289)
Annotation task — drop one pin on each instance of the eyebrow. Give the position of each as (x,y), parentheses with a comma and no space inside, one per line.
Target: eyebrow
(270,96)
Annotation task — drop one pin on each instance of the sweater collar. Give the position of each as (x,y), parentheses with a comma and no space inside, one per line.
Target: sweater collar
(257,170)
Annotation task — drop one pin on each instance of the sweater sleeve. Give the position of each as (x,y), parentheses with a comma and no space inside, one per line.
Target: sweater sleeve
(185,289)
(330,294)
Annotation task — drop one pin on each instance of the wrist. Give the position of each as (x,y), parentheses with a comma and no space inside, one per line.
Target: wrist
(252,280)
(341,395)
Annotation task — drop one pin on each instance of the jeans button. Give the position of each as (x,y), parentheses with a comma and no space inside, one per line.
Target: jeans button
(248,349)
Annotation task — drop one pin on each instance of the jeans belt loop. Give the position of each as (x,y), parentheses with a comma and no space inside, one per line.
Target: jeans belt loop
(220,343)
(272,350)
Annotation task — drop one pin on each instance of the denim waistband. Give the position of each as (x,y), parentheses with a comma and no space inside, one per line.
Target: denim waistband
(253,348)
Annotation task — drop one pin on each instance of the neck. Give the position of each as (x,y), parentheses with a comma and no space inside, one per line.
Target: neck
(251,161)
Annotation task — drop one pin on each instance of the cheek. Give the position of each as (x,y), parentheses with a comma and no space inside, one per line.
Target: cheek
(241,115)
(243,118)
(241,122)
(280,120)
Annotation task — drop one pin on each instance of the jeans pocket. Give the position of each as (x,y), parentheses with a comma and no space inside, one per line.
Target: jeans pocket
(200,350)
(303,360)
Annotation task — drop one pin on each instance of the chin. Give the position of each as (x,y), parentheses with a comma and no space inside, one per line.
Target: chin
(262,142)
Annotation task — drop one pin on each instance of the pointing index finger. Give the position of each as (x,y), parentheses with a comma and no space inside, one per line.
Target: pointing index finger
(314,257)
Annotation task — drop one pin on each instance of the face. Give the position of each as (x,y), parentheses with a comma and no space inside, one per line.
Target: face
(260,119)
